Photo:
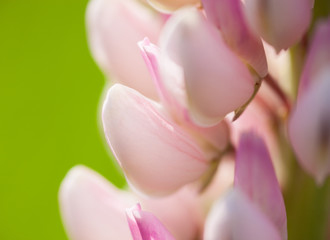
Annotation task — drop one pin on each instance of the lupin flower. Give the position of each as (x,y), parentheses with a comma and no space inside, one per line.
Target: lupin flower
(228,17)
(165,120)
(236,217)
(256,178)
(281,23)
(193,47)
(158,156)
(309,126)
(93,209)
(254,209)
(262,117)
(112,24)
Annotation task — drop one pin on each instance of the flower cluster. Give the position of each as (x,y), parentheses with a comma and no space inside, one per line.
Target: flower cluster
(201,102)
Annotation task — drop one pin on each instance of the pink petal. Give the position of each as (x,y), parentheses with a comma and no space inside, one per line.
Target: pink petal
(318,56)
(181,213)
(155,154)
(213,139)
(228,17)
(133,226)
(170,90)
(259,117)
(281,23)
(309,128)
(213,88)
(222,182)
(236,217)
(255,177)
(114,27)
(171,5)
(91,208)
(172,94)
(145,226)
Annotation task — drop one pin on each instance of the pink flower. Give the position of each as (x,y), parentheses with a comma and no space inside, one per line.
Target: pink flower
(281,23)
(157,154)
(186,128)
(254,209)
(93,209)
(309,126)
(228,17)
(193,48)
(255,177)
(236,217)
(114,27)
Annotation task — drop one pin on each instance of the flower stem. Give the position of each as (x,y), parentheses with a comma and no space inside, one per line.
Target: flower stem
(278,91)
(297,55)
(307,204)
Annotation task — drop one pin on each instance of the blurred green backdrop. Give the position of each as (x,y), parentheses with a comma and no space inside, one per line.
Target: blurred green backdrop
(49,94)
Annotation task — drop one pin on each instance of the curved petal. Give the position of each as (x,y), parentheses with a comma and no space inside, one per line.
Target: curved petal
(228,16)
(114,28)
(255,177)
(172,95)
(185,218)
(170,90)
(318,56)
(235,217)
(145,226)
(155,154)
(215,79)
(281,23)
(309,128)
(91,208)
(133,226)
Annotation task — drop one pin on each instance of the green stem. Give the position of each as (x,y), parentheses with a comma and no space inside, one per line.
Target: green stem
(307,204)
(272,83)
(297,56)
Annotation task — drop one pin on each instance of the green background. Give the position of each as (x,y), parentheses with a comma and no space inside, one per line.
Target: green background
(50,90)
